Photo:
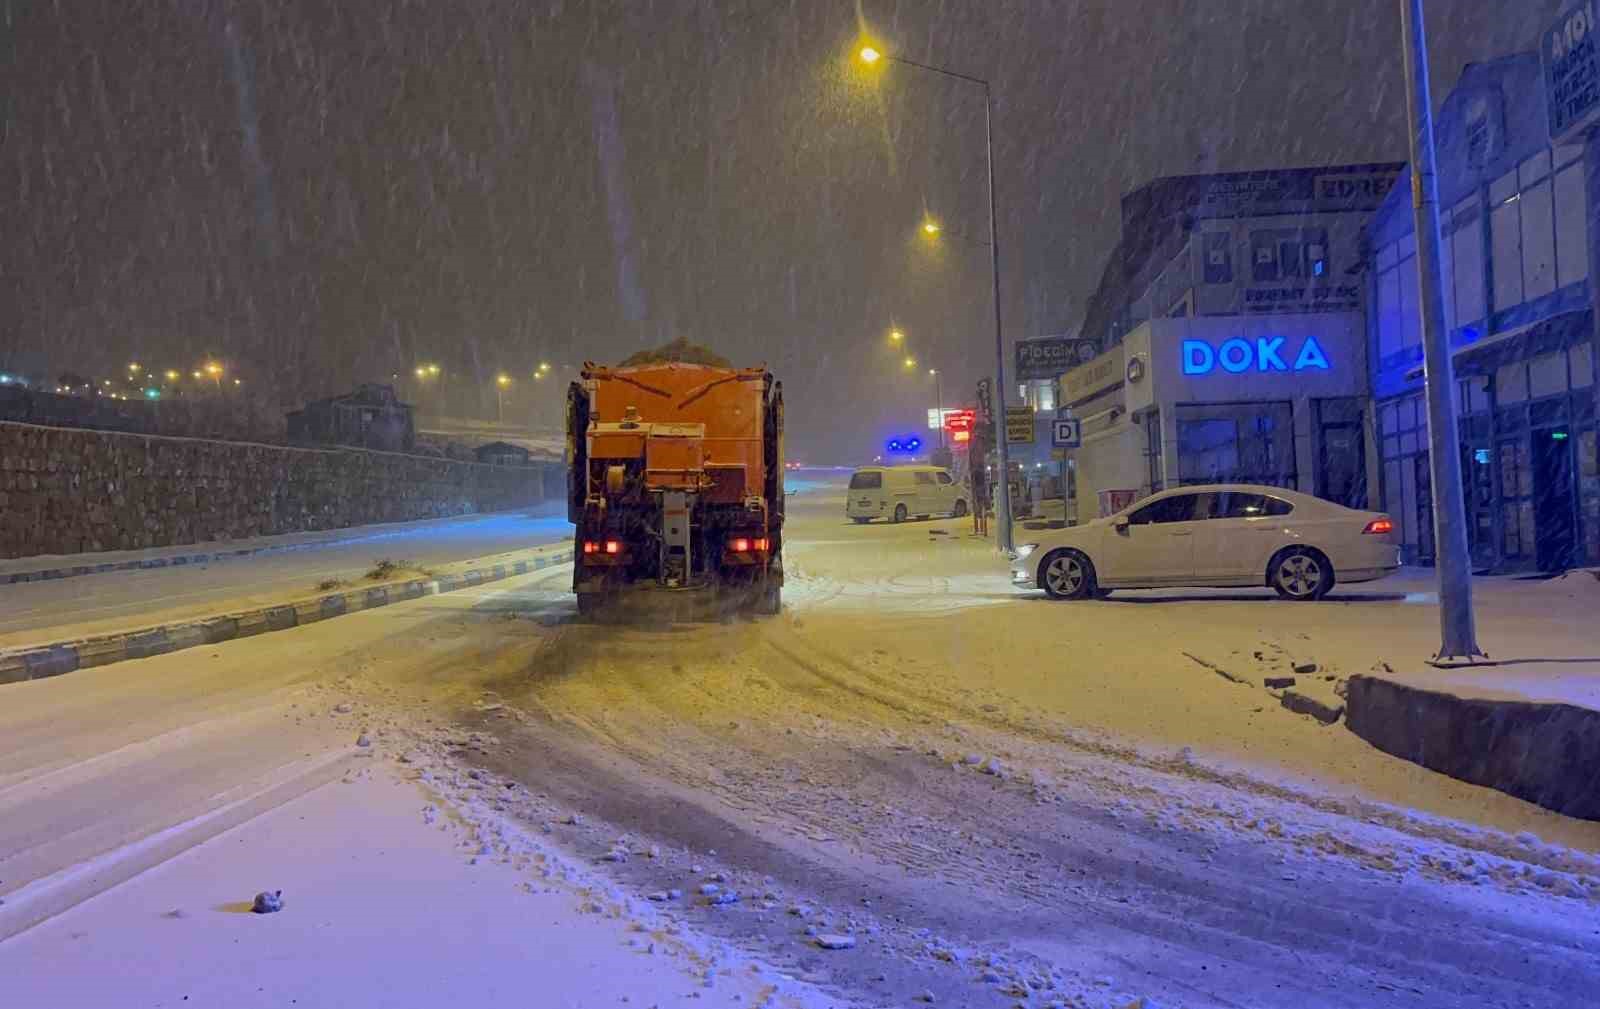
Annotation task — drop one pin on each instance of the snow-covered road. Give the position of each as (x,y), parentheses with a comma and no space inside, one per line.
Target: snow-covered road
(999,799)
(35,612)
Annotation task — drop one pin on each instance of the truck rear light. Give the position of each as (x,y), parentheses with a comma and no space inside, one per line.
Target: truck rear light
(761,544)
(591,547)
(613,546)
(739,545)
(1379,527)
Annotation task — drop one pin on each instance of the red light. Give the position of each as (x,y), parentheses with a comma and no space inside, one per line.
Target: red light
(739,546)
(761,544)
(960,436)
(1378,527)
(591,547)
(613,547)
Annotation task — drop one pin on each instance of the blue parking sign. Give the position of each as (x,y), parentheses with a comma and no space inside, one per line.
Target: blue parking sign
(1066,432)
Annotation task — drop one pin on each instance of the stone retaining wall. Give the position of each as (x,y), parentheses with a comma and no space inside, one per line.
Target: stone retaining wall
(66,491)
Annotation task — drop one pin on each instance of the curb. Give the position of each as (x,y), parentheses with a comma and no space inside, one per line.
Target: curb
(40,661)
(200,557)
(1547,753)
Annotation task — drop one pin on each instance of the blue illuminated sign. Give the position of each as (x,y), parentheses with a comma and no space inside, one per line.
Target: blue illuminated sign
(1264,353)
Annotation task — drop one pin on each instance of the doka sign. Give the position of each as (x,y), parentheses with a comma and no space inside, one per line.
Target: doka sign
(1263,354)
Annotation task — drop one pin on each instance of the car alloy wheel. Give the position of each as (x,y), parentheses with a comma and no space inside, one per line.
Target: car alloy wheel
(1067,574)
(900,513)
(1300,575)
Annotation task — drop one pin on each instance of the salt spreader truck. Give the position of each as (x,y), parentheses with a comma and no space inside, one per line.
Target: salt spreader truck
(675,483)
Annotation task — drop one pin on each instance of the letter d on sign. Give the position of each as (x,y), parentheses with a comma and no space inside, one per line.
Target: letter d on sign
(1198,357)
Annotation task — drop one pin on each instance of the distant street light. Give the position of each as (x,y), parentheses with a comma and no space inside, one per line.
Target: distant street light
(215,371)
(134,367)
(930,227)
(895,335)
(422,373)
(172,376)
(869,55)
(911,362)
(502,382)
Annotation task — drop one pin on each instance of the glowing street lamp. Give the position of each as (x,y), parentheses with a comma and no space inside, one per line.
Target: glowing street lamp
(134,368)
(911,362)
(895,335)
(502,382)
(172,376)
(870,55)
(931,228)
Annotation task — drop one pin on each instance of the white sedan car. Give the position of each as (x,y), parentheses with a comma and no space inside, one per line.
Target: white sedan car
(1220,535)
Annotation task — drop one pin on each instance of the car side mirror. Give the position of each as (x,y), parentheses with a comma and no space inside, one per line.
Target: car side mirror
(1121,525)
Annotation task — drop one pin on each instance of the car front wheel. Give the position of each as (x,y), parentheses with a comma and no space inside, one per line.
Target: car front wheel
(1301,574)
(1067,574)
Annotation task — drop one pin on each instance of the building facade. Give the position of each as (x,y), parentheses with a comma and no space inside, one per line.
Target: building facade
(1232,314)
(1516,250)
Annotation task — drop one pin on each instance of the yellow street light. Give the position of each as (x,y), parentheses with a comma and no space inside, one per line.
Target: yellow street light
(896,335)
(933,371)
(503,379)
(544,365)
(422,373)
(930,227)
(870,55)
(213,368)
(433,369)
(134,367)
(172,376)
(197,374)
(236,382)
(911,362)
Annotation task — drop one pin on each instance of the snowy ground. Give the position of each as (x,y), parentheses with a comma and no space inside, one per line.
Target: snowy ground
(1002,801)
(33,612)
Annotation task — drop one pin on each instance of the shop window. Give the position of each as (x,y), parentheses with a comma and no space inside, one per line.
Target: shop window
(1538,241)
(1389,317)
(1582,355)
(1466,256)
(1511,383)
(1236,443)
(1505,228)
(1547,375)
(1571,224)
(1218,257)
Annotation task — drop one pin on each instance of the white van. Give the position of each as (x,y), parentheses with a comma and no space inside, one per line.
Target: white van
(901,492)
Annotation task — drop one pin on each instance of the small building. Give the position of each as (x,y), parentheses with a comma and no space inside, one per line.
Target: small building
(502,453)
(1232,340)
(370,417)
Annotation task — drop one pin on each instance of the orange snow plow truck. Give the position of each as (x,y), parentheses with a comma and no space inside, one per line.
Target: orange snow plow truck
(675,483)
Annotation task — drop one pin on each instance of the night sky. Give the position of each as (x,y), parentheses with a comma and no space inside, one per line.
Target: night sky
(320,193)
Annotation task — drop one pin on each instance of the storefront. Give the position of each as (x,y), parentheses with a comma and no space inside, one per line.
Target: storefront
(1278,400)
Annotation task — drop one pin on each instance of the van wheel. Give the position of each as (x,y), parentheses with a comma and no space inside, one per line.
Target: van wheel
(960,510)
(1067,574)
(900,513)
(1301,574)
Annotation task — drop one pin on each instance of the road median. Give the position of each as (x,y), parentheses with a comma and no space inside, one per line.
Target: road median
(53,658)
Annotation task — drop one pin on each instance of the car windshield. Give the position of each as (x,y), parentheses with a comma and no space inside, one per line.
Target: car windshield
(800,503)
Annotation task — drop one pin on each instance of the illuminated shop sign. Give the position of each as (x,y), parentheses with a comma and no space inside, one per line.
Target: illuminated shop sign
(1263,354)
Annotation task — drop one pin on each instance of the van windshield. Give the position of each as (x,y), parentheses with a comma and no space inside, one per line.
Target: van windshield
(866,481)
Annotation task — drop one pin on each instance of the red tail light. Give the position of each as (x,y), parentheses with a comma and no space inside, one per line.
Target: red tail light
(591,547)
(613,547)
(741,545)
(761,544)
(1379,527)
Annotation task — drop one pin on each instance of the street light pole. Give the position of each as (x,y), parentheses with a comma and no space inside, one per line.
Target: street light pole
(938,396)
(1452,561)
(1003,523)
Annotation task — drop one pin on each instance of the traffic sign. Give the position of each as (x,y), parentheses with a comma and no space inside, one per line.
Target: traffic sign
(1019,425)
(1066,432)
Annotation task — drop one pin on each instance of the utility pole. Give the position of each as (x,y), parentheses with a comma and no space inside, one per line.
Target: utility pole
(1003,527)
(1453,562)
(938,395)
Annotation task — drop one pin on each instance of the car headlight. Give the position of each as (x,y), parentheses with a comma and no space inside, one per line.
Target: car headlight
(1026,549)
